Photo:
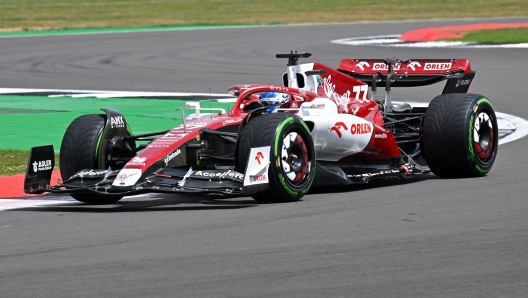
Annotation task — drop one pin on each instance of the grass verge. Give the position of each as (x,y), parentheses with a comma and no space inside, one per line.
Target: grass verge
(15,162)
(20,15)
(497,36)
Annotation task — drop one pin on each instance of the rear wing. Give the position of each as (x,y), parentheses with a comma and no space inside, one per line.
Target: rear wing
(413,73)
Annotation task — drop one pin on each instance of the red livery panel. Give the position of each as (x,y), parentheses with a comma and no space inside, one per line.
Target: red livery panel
(411,67)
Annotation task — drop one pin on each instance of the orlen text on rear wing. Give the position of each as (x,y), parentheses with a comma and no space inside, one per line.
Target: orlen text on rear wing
(413,73)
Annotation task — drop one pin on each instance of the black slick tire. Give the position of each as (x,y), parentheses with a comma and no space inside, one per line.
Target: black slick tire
(460,135)
(79,150)
(292,156)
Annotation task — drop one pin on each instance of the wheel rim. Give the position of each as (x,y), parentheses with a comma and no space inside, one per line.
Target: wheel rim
(295,159)
(484,137)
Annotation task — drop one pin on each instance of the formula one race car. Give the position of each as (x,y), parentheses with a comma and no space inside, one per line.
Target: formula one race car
(323,127)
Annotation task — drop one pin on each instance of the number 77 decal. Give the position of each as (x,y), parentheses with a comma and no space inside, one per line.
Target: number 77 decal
(358,90)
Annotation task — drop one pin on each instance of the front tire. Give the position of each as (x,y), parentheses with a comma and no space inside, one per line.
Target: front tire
(292,155)
(80,149)
(460,135)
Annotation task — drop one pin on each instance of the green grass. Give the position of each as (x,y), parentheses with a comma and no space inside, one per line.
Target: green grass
(498,36)
(15,162)
(20,15)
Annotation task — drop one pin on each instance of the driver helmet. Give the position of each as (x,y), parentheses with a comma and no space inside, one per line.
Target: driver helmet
(274,98)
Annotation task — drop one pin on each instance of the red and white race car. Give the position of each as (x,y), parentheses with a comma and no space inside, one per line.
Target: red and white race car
(327,128)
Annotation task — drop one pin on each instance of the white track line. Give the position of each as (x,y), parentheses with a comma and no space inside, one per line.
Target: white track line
(8,204)
(109,94)
(393,41)
(48,201)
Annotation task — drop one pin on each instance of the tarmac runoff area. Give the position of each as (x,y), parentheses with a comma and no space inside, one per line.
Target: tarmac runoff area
(429,38)
(53,110)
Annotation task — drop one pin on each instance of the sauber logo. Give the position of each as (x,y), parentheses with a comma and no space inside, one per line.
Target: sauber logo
(437,66)
(337,128)
(355,128)
(259,156)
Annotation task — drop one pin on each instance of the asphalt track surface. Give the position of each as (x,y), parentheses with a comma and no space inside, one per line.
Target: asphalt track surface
(422,237)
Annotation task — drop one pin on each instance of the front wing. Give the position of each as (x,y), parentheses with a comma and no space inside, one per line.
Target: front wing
(165,180)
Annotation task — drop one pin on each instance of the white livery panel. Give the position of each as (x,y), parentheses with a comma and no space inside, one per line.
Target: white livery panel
(339,135)
(257,167)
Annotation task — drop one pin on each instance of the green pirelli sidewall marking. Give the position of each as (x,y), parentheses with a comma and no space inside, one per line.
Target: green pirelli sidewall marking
(470,138)
(472,156)
(98,145)
(481,170)
(306,189)
(277,134)
(129,129)
(305,126)
(291,192)
(286,121)
(484,100)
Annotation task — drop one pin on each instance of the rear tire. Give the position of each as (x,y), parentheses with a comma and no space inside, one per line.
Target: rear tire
(460,135)
(292,156)
(80,149)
